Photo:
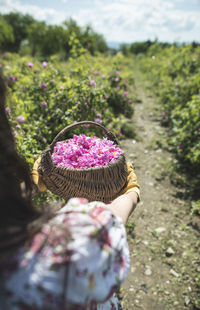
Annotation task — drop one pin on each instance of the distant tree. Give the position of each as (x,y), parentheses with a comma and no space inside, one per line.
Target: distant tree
(55,36)
(36,36)
(72,30)
(23,34)
(125,49)
(140,47)
(86,37)
(20,25)
(72,27)
(99,42)
(93,41)
(157,47)
(6,34)
(46,40)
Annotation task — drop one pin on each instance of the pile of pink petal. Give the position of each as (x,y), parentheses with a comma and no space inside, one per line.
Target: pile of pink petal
(84,152)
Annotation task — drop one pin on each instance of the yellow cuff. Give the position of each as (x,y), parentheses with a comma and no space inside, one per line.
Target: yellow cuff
(37,178)
(132,185)
(133,189)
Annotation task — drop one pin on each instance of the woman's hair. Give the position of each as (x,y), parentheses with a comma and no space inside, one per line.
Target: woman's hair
(18,216)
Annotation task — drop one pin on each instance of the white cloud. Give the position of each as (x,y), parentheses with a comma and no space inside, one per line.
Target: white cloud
(47,14)
(124,20)
(132,20)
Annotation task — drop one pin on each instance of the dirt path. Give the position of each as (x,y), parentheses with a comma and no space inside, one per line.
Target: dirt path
(164,247)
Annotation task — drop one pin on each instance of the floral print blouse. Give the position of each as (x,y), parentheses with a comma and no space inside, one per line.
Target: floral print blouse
(76,262)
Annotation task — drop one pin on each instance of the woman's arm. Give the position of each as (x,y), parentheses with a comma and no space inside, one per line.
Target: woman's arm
(124,205)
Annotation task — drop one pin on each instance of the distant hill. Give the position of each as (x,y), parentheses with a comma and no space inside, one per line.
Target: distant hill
(115,45)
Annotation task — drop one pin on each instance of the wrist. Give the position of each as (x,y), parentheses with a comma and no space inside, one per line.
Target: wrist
(133,196)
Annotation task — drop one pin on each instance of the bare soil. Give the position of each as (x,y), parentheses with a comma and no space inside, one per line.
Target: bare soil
(163,244)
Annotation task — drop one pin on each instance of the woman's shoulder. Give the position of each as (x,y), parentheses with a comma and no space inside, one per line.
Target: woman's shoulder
(70,233)
(74,226)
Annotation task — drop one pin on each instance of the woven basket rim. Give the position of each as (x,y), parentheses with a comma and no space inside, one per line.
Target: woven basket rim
(98,168)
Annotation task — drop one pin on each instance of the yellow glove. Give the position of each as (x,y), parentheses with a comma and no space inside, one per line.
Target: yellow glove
(36,177)
(132,185)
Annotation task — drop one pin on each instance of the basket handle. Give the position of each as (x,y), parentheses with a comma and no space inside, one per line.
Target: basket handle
(109,134)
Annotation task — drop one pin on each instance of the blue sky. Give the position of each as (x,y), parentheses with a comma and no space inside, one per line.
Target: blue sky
(120,20)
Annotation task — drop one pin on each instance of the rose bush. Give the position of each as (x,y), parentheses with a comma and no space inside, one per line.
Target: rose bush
(45,96)
(175,77)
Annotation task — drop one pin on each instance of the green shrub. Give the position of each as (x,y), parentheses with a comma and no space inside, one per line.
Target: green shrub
(186,131)
(175,76)
(49,96)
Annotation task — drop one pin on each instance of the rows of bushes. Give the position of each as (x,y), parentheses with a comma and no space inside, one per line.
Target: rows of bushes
(44,97)
(175,74)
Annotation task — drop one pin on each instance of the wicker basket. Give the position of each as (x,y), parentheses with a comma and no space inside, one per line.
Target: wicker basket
(96,184)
